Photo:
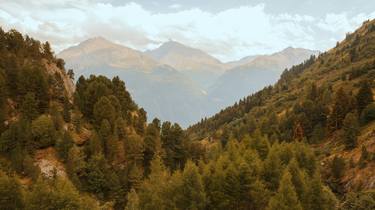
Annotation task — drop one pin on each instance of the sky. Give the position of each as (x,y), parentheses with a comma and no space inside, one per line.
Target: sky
(228,30)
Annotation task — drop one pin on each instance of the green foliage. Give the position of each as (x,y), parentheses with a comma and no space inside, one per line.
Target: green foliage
(104,110)
(133,201)
(66,111)
(63,145)
(99,178)
(59,195)
(350,130)
(318,197)
(11,196)
(364,96)
(272,168)
(152,143)
(43,132)
(135,147)
(337,167)
(368,114)
(29,107)
(341,107)
(172,138)
(365,156)
(191,191)
(359,201)
(286,197)
(153,192)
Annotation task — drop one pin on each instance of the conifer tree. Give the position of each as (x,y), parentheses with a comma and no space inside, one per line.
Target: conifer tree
(66,110)
(134,146)
(152,143)
(135,176)
(272,168)
(192,194)
(95,145)
(10,193)
(286,197)
(364,96)
(47,51)
(368,114)
(64,144)
(133,201)
(298,180)
(104,110)
(341,107)
(29,107)
(43,132)
(152,192)
(337,167)
(350,130)
(260,144)
(318,197)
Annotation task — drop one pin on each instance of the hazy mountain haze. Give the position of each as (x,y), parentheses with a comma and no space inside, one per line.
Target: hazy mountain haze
(176,82)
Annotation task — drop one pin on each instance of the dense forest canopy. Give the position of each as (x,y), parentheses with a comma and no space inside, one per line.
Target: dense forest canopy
(281,148)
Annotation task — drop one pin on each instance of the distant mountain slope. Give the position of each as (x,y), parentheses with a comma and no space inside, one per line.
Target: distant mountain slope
(198,65)
(242,61)
(99,51)
(255,73)
(163,91)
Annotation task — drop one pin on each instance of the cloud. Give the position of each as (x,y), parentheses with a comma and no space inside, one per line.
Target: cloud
(229,34)
(175,6)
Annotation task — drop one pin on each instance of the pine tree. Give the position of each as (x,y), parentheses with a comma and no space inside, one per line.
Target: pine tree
(260,144)
(368,114)
(2,102)
(66,110)
(341,107)
(152,143)
(104,110)
(99,177)
(172,138)
(95,145)
(76,164)
(286,197)
(272,168)
(350,130)
(364,157)
(133,201)
(47,51)
(29,107)
(319,197)
(134,146)
(337,167)
(43,132)
(364,96)
(192,194)
(10,193)
(298,180)
(64,144)
(152,192)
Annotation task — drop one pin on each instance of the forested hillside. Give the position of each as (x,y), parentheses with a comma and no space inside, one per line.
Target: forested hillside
(305,143)
(326,102)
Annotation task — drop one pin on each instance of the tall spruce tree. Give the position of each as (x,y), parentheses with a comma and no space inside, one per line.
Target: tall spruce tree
(350,130)
(286,197)
(364,96)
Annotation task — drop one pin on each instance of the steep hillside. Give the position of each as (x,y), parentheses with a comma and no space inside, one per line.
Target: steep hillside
(327,101)
(254,74)
(196,64)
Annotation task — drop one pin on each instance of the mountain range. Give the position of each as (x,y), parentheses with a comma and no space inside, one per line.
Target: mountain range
(193,83)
